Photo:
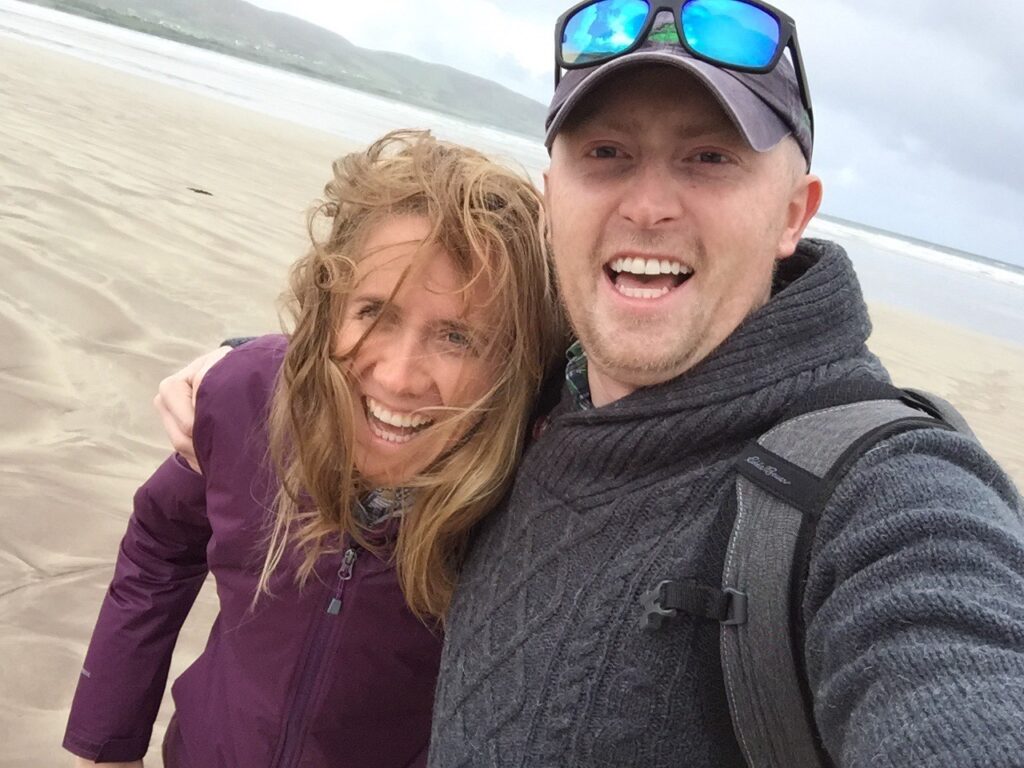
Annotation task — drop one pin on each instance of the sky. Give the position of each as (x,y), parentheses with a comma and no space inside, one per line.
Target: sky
(919,106)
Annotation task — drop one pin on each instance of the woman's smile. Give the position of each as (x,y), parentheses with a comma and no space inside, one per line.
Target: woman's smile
(393,426)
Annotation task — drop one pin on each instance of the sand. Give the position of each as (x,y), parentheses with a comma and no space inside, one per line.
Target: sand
(115,274)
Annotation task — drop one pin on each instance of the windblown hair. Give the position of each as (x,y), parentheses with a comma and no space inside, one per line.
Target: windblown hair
(488,219)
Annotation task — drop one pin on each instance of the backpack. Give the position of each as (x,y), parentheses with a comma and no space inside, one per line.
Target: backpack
(784,480)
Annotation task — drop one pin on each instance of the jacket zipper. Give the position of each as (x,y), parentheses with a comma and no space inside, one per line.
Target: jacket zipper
(291,747)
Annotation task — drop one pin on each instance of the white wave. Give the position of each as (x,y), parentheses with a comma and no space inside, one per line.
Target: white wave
(843,232)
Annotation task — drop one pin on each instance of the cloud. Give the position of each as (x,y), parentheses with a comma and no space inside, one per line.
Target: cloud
(925,105)
(926,85)
(915,194)
(496,41)
(919,106)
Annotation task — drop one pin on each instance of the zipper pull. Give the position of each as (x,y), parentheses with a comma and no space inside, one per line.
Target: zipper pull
(348,561)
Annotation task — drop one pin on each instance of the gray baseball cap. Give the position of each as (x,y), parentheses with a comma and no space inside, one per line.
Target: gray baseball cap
(765,107)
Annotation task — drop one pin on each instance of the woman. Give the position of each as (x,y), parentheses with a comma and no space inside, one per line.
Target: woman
(339,473)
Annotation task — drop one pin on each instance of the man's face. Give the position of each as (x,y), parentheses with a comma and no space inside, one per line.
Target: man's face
(665,226)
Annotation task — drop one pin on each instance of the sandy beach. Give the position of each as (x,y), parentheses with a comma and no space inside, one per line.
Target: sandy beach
(115,273)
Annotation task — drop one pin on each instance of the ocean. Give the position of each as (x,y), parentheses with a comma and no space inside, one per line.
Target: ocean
(957,288)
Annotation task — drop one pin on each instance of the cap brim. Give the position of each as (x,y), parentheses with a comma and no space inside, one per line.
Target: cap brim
(758,123)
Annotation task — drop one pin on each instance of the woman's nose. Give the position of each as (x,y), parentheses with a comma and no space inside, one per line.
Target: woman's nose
(402,366)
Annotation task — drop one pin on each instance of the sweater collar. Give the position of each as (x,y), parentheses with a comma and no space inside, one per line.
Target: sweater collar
(816,297)
(811,332)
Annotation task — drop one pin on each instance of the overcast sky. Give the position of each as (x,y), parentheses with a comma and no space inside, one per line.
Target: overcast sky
(919,106)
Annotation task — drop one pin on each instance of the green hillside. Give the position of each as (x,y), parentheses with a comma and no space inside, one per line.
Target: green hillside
(238,29)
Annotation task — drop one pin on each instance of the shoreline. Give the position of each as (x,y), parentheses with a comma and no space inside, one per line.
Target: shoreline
(136,24)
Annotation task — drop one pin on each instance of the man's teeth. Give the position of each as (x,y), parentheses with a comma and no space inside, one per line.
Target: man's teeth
(641,293)
(393,419)
(640,266)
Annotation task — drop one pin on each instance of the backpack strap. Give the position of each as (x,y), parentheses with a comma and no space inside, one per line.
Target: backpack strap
(785,479)
(939,408)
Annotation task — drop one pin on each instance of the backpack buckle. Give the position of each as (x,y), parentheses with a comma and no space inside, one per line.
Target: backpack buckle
(655,614)
(737,611)
(726,606)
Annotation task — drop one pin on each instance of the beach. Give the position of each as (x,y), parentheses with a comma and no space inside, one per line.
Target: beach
(139,225)
(115,273)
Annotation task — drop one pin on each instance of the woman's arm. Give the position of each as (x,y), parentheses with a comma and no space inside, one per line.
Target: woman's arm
(160,569)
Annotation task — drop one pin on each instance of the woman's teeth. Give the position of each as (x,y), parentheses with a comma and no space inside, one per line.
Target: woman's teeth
(393,426)
(394,418)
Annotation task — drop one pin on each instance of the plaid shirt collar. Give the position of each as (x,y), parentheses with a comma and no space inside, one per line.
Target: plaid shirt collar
(576,377)
(382,504)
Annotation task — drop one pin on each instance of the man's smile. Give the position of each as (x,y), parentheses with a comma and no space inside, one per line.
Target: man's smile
(646,277)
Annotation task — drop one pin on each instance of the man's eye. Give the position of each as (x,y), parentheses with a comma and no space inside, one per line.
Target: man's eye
(713,158)
(606,152)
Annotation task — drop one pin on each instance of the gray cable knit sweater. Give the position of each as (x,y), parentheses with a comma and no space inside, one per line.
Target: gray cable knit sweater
(914,608)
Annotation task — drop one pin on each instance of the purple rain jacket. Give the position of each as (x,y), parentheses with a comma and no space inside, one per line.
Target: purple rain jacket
(338,674)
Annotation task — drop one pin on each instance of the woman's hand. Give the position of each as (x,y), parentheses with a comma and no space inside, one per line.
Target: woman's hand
(176,403)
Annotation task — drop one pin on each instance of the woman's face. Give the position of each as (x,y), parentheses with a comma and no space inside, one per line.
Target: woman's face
(422,363)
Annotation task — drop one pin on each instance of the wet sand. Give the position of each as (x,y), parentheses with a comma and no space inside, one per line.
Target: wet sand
(115,273)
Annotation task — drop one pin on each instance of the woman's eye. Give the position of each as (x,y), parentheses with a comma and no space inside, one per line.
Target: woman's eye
(460,340)
(368,311)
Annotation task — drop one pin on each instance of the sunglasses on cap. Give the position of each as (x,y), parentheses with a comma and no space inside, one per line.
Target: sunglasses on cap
(742,35)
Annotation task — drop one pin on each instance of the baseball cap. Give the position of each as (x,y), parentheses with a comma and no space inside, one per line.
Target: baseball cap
(764,107)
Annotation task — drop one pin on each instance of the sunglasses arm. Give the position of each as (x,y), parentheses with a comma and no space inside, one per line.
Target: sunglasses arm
(558,41)
(801,78)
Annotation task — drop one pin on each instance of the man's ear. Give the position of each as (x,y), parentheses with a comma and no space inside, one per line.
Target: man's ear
(544,174)
(803,204)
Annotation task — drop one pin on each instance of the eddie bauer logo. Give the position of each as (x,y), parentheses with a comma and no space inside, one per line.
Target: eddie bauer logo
(765,469)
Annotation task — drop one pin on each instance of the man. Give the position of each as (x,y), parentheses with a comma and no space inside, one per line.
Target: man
(677,195)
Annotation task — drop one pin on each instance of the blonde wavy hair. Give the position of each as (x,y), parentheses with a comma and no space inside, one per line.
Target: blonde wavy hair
(488,218)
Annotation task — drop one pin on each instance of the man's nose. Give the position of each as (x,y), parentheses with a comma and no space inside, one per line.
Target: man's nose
(402,365)
(653,198)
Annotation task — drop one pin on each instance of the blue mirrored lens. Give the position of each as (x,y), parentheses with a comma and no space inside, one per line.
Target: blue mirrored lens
(731,31)
(602,29)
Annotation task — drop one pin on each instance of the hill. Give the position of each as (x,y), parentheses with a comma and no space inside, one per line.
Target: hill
(239,29)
